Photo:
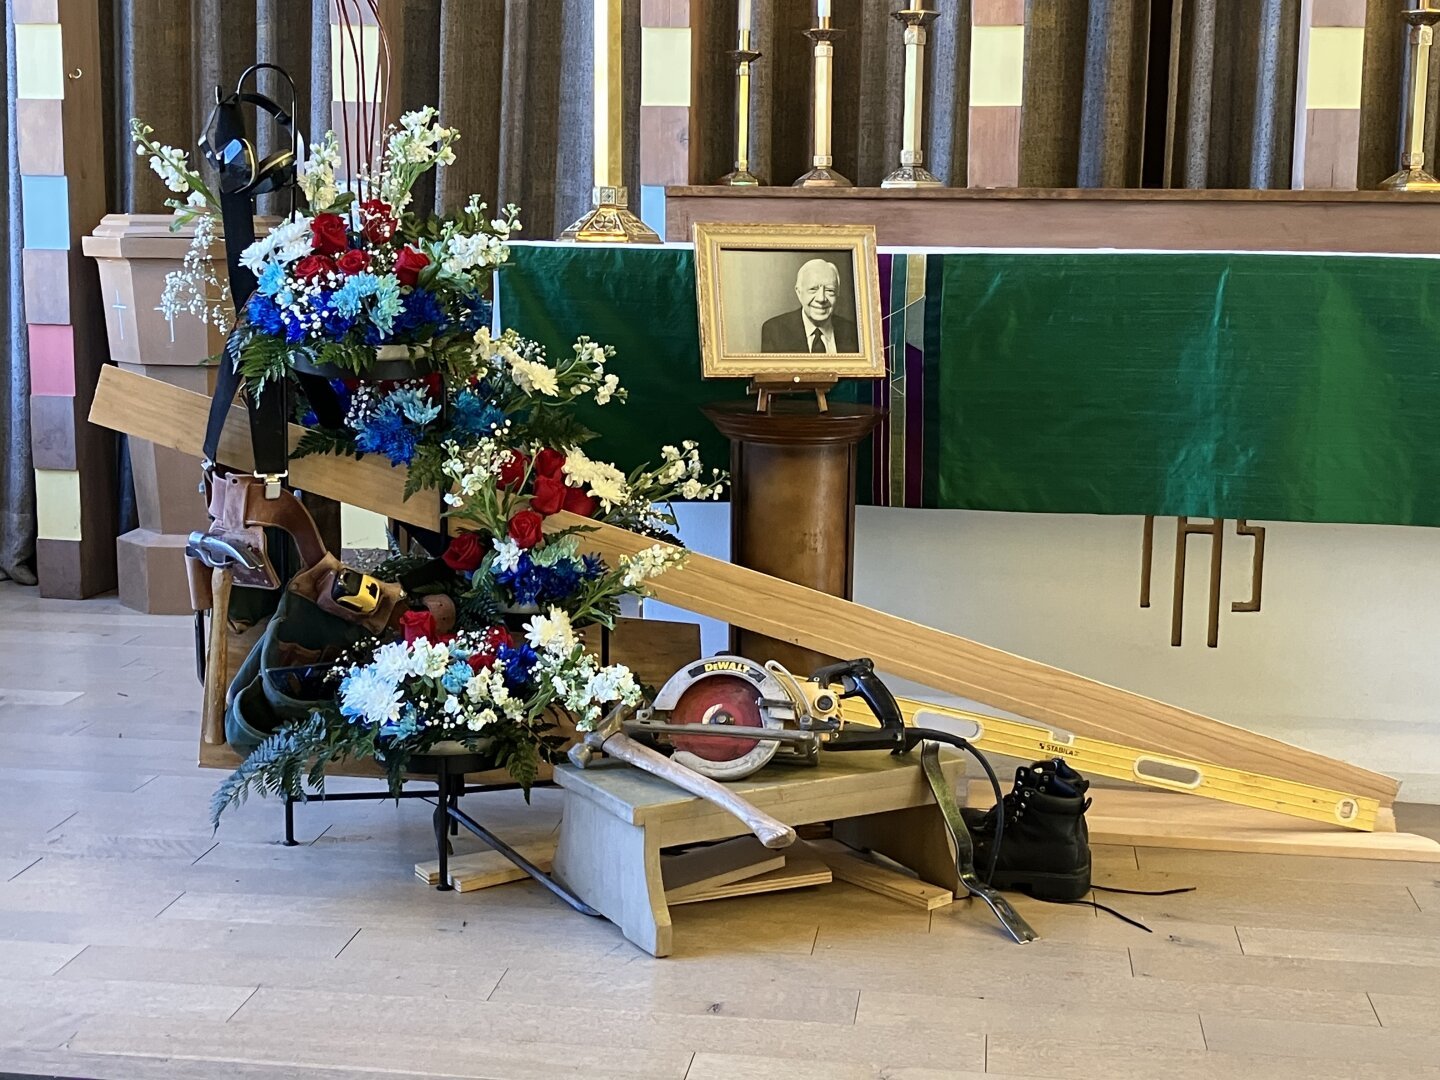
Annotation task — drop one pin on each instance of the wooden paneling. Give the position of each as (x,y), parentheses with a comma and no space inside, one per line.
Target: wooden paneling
(1363,221)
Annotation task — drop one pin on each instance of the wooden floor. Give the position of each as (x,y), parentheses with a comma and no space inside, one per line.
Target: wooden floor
(133,943)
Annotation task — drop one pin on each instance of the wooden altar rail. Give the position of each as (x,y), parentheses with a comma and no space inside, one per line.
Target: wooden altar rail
(176,418)
(1375,222)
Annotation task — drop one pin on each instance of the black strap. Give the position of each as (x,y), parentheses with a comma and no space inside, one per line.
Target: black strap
(269,406)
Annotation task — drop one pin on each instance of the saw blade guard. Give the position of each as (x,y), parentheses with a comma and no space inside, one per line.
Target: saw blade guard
(729,691)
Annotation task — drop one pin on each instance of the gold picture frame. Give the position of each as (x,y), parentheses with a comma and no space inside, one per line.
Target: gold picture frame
(753,323)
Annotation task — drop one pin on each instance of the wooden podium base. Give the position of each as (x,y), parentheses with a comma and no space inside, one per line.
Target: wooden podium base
(792,474)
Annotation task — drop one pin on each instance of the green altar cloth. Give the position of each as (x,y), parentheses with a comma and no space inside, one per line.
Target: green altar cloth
(1271,387)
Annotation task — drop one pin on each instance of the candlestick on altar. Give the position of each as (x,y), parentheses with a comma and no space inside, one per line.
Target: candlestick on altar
(912,172)
(609,220)
(821,174)
(1413,176)
(743,56)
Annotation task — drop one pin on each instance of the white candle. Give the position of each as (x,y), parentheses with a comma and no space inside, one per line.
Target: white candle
(822,9)
(745,15)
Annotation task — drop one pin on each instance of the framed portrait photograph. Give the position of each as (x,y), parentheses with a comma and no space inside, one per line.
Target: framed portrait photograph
(788,300)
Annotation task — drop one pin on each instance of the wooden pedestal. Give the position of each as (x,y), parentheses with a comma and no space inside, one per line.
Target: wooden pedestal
(793,503)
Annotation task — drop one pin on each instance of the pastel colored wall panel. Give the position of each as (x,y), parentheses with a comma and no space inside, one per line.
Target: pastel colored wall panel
(664,65)
(52,431)
(39,61)
(664,12)
(999,12)
(994,154)
(42,151)
(35,11)
(57,504)
(52,359)
(47,285)
(1332,75)
(997,65)
(1338,13)
(1332,148)
(664,144)
(47,212)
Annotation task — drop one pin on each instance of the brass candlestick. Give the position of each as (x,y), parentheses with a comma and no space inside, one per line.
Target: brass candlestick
(822,175)
(912,172)
(1412,175)
(609,220)
(743,56)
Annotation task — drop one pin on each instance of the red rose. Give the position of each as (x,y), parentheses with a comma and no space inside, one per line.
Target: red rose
(418,623)
(376,221)
(578,502)
(549,494)
(313,266)
(353,261)
(408,265)
(327,232)
(549,463)
(464,552)
(490,644)
(512,473)
(526,528)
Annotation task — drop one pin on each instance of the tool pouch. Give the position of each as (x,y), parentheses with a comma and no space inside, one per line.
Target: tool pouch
(282,678)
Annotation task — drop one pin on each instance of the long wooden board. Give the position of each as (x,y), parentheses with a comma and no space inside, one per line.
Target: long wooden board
(174,417)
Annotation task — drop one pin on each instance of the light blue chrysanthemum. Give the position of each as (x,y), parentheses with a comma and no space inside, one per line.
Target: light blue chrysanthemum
(387,304)
(272,279)
(457,676)
(413,405)
(347,298)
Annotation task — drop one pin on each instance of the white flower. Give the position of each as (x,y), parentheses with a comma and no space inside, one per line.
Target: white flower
(604,481)
(651,562)
(552,633)
(507,555)
(532,376)
(613,683)
(392,661)
(606,390)
(283,244)
(451,706)
(367,694)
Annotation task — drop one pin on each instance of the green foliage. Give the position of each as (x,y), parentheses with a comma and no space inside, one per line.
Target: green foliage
(427,469)
(322,440)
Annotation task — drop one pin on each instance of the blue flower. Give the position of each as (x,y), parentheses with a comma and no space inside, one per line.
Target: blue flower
(334,324)
(477,313)
(413,405)
(558,582)
(420,314)
(456,676)
(346,299)
(594,567)
(265,315)
(294,328)
(518,663)
(387,433)
(272,279)
(473,415)
(387,304)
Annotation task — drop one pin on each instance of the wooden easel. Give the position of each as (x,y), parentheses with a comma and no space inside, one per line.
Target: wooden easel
(767,387)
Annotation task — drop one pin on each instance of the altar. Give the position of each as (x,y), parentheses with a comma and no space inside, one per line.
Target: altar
(1228,384)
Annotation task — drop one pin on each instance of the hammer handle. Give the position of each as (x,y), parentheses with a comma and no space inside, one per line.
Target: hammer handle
(769,831)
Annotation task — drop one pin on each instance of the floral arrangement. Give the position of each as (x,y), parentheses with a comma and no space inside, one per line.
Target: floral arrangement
(345,279)
(490,651)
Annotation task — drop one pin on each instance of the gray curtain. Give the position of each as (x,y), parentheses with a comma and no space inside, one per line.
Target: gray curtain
(17,477)
(868,97)
(513,75)
(1229,117)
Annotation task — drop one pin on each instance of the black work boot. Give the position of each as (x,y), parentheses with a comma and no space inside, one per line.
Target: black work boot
(1045,846)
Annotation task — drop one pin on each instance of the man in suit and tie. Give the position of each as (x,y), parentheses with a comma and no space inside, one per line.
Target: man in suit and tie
(813,327)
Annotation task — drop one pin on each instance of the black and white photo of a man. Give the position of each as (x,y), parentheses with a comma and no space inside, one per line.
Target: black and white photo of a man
(814,326)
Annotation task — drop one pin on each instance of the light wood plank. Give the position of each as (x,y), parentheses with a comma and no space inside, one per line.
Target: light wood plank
(850,867)
(1264,1039)
(483,869)
(708,867)
(801,870)
(1332,945)
(175,417)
